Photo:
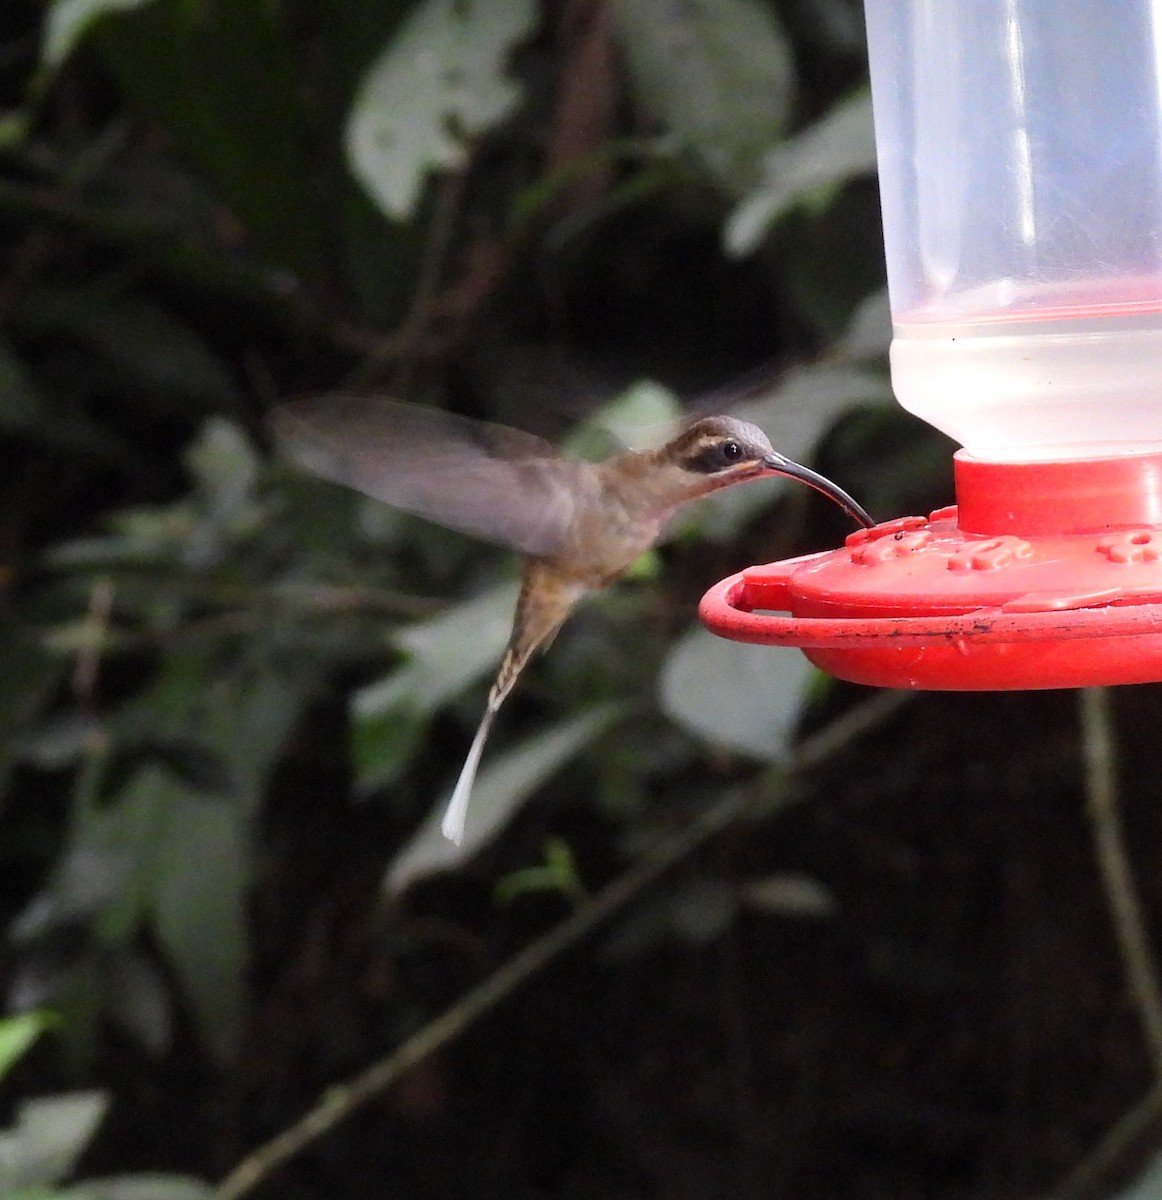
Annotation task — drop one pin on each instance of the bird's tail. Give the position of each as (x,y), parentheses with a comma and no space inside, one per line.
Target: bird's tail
(455,815)
(452,825)
(534,628)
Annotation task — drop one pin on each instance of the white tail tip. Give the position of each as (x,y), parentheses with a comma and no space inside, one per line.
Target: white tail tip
(456,814)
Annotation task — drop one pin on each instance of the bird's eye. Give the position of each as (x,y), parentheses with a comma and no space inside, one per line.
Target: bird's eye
(731,451)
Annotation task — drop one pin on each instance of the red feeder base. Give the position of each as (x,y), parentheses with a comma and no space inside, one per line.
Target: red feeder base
(1047,575)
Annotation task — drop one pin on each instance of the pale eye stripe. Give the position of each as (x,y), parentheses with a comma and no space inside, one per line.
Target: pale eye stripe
(701,444)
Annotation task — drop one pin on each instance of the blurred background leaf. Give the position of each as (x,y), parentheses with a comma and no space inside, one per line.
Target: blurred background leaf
(67,22)
(439,84)
(502,786)
(717,75)
(17,1035)
(48,1139)
(723,691)
(804,169)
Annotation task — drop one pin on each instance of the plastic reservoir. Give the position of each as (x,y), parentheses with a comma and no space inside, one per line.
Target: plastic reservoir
(1020,153)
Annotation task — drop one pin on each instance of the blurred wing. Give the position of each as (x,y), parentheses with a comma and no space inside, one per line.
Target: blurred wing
(487,480)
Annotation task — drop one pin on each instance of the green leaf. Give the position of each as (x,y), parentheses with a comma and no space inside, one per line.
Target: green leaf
(174,854)
(105,874)
(30,675)
(197,897)
(790,895)
(869,332)
(49,1136)
(643,406)
(438,84)
(152,349)
(645,566)
(138,998)
(67,22)
(697,911)
(138,536)
(21,406)
(645,414)
(444,655)
(747,698)
(24,410)
(196,531)
(144,1186)
(838,147)
(717,74)
(18,1033)
(13,128)
(382,744)
(225,80)
(558,873)
(1148,1185)
(254,711)
(502,787)
(225,466)
(454,648)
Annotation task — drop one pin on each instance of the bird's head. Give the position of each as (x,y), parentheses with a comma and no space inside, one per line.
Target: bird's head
(715,452)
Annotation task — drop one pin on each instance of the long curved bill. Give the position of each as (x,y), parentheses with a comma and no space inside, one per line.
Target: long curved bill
(793,470)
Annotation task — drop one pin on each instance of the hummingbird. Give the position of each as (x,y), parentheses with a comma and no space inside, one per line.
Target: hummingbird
(579,525)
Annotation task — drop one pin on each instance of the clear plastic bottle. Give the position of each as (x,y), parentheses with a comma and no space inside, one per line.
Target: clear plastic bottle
(1020,156)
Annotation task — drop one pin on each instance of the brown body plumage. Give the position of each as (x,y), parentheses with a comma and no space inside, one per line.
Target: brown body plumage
(580,525)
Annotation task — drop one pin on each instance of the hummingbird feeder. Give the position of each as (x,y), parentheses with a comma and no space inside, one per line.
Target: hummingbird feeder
(1020,160)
